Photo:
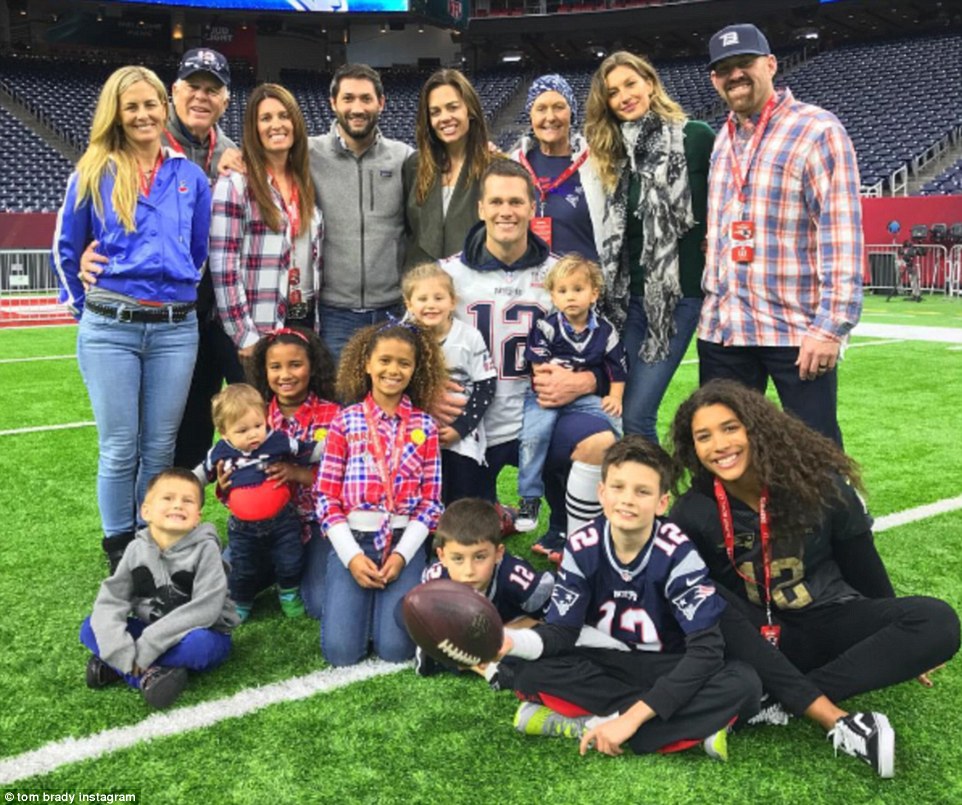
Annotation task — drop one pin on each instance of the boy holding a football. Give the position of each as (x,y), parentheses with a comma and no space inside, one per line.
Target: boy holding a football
(631,650)
(470,551)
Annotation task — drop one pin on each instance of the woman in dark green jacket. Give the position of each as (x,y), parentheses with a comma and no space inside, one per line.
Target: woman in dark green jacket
(653,162)
(442,176)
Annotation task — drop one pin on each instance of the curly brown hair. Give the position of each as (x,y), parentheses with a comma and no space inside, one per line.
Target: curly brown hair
(430,372)
(798,465)
(321,381)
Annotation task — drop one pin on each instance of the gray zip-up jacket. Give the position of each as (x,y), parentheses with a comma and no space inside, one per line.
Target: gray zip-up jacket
(172,591)
(362,201)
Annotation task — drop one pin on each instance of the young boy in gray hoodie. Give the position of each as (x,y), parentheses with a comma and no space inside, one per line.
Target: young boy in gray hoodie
(165,609)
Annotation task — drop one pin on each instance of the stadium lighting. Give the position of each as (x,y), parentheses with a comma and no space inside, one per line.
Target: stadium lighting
(511,57)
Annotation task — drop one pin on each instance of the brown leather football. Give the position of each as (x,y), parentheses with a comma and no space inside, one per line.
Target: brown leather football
(453,623)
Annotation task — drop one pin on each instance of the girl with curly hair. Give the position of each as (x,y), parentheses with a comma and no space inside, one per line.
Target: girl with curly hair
(773,509)
(294,373)
(379,488)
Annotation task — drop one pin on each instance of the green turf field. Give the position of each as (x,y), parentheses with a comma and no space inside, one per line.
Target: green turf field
(396,738)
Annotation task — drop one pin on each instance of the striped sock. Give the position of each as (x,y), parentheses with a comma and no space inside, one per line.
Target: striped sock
(581,495)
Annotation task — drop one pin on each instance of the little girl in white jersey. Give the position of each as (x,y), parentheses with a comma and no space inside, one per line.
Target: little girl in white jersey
(429,296)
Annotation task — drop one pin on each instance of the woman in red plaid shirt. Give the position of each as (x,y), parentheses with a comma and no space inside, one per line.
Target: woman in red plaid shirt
(379,489)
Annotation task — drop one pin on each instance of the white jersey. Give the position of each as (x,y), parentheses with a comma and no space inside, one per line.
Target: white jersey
(503,305)
(468,361)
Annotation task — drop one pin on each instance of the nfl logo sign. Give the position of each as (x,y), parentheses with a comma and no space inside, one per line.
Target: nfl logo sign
(454,9)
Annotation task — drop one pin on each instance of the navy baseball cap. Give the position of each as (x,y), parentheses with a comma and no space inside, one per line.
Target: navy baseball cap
(737,40)
(205,60)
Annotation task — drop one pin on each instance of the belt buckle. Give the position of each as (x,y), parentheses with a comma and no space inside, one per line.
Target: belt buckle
(125,315)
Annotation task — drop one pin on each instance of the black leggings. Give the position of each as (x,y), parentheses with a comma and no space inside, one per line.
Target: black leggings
(841,650)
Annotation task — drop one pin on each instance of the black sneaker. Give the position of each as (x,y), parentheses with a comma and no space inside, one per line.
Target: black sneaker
(99,674)
(867,736)
(161,686)
(528,511)
(114,548)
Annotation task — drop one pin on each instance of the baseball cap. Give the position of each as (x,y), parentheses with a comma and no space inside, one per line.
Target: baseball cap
(737,40)
(204,60)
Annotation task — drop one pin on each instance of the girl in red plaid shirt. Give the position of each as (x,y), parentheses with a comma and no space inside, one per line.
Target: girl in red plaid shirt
(379,489)
(294,372)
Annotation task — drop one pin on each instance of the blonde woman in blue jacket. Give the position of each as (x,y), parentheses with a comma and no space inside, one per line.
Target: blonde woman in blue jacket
(149,209)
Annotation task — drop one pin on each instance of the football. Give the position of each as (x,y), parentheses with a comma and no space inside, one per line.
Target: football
(453,623)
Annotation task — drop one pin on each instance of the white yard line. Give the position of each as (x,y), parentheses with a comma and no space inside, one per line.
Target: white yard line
(53,755)
(44,428)
(897,519)
(175,722)
(39,358)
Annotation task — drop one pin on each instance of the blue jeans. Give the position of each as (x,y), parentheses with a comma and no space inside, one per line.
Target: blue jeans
(536,430)
(354,616)
(137,376)
(338,324)
(316,555)
(648,382)
(254,543)
(198,650)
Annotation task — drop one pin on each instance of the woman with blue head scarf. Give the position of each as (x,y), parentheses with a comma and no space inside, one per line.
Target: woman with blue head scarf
(570,200)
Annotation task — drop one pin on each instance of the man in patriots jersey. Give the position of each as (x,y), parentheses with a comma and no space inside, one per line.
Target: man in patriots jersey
(655,675)
(499,279)
(470,551)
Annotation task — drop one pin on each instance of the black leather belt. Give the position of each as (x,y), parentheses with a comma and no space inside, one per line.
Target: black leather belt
(120,312)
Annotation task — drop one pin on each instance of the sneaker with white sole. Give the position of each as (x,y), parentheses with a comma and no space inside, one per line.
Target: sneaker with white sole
(869,737)
(528,511)
(536,719)
(716,745)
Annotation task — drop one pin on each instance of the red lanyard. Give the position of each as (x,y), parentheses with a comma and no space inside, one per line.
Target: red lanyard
(212,142)
(546,186)
(728,528)
(386,470)
(738,179)
(293,207)
(147,182)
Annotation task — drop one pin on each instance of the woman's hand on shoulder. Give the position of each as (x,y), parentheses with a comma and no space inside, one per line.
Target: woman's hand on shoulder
(231,160)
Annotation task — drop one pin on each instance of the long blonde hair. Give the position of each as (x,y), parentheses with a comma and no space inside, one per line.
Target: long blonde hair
(108,146)
(602,126)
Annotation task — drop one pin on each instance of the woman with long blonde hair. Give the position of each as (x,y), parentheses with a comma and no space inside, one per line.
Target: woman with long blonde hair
(266,229)
(653,162)
(148,208)
(444,173)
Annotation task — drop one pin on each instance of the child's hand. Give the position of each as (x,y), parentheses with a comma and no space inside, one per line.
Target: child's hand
(448,436)
(283,472)
(506,645)
(137,670)
(365,572)
(611,406)
(223,476)
(392,568)
(449,405)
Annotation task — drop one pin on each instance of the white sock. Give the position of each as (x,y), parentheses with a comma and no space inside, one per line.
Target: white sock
(581,495)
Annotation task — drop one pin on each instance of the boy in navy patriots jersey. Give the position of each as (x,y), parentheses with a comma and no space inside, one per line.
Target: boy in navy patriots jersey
(470,551)
(631,650)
